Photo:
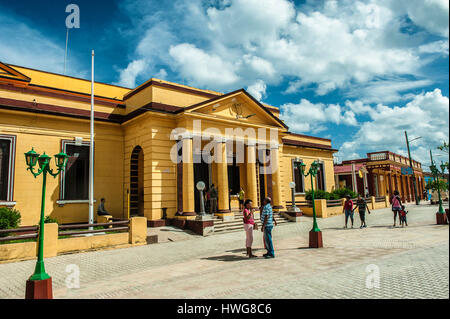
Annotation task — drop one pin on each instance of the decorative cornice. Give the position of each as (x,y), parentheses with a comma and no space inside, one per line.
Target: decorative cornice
(168,86)
(307,144)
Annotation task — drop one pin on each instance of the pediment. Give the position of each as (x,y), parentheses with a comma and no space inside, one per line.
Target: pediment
(239,106)
(10,75)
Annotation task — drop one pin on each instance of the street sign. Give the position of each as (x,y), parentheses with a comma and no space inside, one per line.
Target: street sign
(407,171)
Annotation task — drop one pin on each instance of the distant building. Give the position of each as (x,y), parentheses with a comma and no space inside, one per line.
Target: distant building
(380,174)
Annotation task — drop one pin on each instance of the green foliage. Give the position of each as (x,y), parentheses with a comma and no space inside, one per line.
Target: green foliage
(433,185)
(336,194)
(443,147)
(50,220)
(9,219)
(342,192)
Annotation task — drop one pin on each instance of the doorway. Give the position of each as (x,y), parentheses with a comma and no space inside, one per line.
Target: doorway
(201,173)
(137,182)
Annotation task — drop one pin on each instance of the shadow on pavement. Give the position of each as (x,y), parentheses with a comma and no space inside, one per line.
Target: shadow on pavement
(227,258)
(242,250)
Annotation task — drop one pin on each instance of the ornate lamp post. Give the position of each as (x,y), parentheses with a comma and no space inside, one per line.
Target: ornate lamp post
(440,215)
(315,235)
(39,286)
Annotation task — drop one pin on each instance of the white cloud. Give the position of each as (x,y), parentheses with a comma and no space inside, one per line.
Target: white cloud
(310,117)
(128,75)
(201,68)
(440,46)
(322,46)
(426,115)
(429,14)
(257,89)
(385,91)
(162,74)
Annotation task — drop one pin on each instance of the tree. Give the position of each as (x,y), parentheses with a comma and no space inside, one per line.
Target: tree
(443,186)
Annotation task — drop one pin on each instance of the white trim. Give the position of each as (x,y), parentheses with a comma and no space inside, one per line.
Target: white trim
(64,143)
(8,204)
(63,202)
(297,159)
(12,164)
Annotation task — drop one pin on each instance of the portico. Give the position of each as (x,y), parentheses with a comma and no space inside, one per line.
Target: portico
(230,153)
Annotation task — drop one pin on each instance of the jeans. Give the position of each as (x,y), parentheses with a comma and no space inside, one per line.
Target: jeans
(268,240)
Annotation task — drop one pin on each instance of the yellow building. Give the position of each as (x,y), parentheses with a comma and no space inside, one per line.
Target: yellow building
(380,174)
(155,141)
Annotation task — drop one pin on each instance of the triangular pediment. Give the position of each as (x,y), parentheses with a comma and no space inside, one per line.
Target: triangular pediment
(239,106)
(9,75)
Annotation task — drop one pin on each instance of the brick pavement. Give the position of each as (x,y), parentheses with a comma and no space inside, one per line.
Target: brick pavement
(412,261)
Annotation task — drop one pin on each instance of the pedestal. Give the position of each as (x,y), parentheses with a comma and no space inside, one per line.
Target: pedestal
(315,239)
(39,289)
(294,209)
(441,218)
(203,217)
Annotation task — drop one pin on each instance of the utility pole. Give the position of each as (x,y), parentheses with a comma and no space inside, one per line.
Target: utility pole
(411,165)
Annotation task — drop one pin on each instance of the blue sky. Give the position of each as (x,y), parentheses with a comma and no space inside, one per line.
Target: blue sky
(358,72)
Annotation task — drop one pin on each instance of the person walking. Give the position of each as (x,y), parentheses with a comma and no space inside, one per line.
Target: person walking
(249,226)
(348,210)
(362,205)
(396,206)
(213,196)
(267,221)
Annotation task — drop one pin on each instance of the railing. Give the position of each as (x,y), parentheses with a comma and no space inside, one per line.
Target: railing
(307,203)
(380,199)
(114,226)
(334,202)
(26,230)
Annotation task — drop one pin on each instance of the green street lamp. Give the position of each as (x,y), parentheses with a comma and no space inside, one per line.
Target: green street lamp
(440,215)
(39,284)
(315,235)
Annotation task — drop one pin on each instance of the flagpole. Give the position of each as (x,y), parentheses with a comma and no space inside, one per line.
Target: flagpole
(65,55)
(91,151)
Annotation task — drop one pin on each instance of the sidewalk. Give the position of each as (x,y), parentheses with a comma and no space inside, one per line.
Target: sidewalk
(413,263)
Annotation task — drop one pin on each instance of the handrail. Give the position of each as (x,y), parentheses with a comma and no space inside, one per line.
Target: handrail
(122,222)
(19,230)
(81,232)
(10,238)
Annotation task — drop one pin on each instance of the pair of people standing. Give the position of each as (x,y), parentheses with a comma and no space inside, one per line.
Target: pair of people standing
(398,209)
(267,221)
(349,210)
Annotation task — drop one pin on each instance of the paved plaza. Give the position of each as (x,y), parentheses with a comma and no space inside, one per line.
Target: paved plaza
(377,262)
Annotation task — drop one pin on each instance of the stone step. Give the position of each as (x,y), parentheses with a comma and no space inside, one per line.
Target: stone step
(235,228)
(239,224)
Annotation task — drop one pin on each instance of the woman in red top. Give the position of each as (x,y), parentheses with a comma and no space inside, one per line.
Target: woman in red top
(348,210)
(396,206)
(249,225)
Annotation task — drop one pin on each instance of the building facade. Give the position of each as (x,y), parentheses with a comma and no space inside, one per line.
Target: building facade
(153,144)
(380,174)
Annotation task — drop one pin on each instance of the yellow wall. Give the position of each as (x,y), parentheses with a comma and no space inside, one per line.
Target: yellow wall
(45,133)
(308,156)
